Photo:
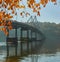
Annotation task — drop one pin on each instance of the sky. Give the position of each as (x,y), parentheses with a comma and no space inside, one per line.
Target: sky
(50,13)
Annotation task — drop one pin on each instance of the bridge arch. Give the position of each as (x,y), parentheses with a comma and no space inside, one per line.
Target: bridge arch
(27,34)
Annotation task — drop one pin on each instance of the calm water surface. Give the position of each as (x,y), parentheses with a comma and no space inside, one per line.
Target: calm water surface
(30,57)
(33,58)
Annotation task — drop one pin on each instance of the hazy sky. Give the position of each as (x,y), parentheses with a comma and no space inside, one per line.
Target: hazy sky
(51,13)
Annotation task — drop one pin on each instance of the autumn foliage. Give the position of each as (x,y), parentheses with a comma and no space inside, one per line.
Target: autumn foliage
(12,5)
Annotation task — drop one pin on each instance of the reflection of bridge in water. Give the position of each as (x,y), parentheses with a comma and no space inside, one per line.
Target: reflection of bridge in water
(25,39)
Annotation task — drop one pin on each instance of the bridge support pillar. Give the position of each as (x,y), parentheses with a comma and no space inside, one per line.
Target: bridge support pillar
(27,41)
(7,48)
(21,43)
(35,40)
(31,42)
(16,42)
(7,44)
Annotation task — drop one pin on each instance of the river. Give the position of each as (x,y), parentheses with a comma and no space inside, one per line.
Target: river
(42,57)
(33,58)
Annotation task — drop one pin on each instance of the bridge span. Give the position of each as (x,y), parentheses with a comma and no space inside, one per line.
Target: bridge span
(26,38)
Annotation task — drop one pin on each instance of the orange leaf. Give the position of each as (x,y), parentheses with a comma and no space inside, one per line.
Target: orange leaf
(32,6)
(9,27)
(37,4)
(9,23)
(53,0)
(6,33)
(4,23)
(10,16)
(29,5)
(46,1)
(42,2)
(32,1)
(38,13)
(17,6)
(34,10)
(13,12)
(0,1)
(4,29)
(15,0)
(21,13)
(9,8)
